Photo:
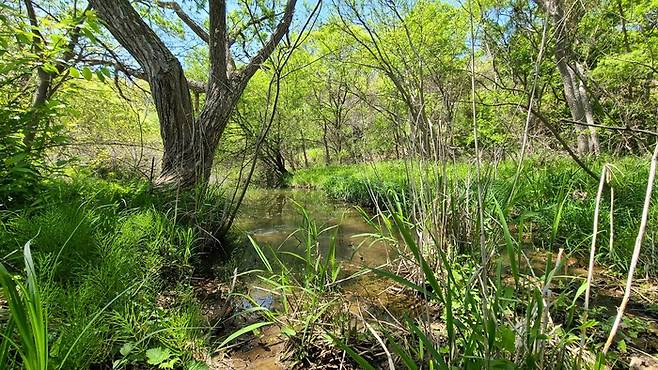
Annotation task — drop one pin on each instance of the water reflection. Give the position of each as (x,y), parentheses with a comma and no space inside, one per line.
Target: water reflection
(273,217)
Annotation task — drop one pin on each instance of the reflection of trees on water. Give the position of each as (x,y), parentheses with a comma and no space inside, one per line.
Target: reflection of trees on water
(274,215)
(274,203)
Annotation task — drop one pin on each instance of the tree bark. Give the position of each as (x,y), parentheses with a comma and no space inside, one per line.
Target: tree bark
(325,140)
(189,142)
(304,148)
(594,146)
(572,74)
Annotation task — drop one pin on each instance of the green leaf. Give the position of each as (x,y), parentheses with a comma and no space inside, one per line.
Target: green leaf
(169,364)
(288,331)
(157,355)
(87,73)
(579,292)
(242,331)
(89,34)
(127,348)
(260,253)
(507,338)
(100,76)
(49,67)
(28,314)
(509,242)
(74,72)
(196,365)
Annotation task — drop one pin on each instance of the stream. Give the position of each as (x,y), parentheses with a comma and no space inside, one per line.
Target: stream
(273,218)
(270,217)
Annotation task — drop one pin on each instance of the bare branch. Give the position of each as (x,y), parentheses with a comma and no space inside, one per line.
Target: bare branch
(191,23)
(281,29)
(233,35)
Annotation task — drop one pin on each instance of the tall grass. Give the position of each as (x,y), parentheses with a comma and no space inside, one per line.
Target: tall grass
(27,315)
(483,304)
(305,285)
(544,186)
(102,256)
(513,329)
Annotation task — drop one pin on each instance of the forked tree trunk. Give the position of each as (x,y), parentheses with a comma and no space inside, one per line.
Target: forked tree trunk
(572,74)
(189,141)
(189,150)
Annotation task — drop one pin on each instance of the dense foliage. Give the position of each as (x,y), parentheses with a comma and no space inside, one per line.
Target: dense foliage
(471,135)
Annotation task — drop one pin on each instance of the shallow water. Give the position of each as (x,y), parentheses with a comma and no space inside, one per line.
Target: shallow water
(274,217)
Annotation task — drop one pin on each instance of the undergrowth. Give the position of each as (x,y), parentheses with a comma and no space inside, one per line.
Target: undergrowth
(104,253)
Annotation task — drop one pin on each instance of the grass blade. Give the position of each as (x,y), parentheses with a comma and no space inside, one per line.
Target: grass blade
(244,330)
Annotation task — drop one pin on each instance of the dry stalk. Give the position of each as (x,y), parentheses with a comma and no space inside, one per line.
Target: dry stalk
(612,214)
(636,251)
(592,253)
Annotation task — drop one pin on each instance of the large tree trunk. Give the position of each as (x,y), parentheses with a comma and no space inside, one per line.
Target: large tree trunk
(572,74)
(186,154)
(189,142)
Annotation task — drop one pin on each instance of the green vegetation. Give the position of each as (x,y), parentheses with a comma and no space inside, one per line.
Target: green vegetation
(544,188)
(478,174)
(468,322)
(103,256)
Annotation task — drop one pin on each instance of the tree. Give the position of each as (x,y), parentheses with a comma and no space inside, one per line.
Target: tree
(414,45)
(189,140)
(56,56)
(37,50)
(573,76)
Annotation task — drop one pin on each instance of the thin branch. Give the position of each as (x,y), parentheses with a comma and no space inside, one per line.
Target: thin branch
(191,23)
(282,28)
(636,251)
(615,128)
(234,34)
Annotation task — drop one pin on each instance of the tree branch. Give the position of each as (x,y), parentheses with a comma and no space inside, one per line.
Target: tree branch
(218,42)
(191,23)
(233,35)
(195,86)
(245,74)
(614,128)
